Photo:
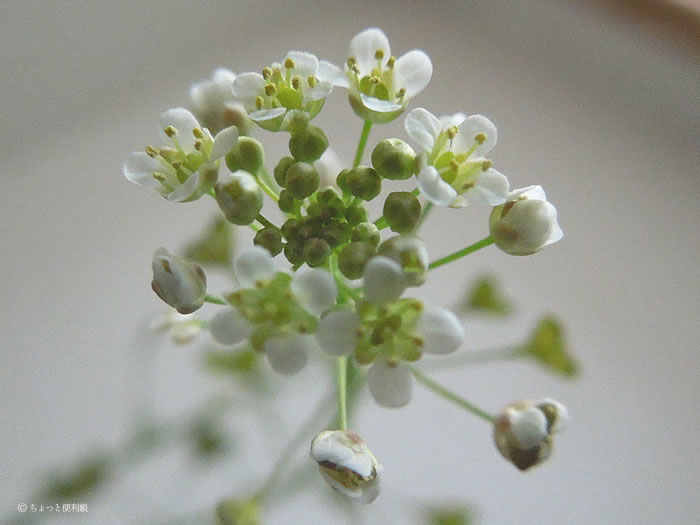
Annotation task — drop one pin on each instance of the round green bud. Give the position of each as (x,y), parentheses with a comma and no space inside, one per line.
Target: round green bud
(356,214)
(337,233)
(286,202)
(364,183)
(308,144)
(270,239)
(402,211)
(302,180)
(290,229)
(354,257)
(329,196)
(240,198)
(280,171)
(366,232)
(294,252)
(394,159)
(248,154)
(342,181)
(316,251)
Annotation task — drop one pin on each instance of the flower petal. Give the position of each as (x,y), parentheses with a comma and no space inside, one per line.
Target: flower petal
(328,72)
(434,188)
(224,142)
(139,169)
(390,384)
(423,127)
(491,187)
(229,327)
(184,122)
(185,190)
(447,121)
(376,104)
(535,192)
(247,87)
(384,280)
(365,45)
(441,331)
(224,77)
(468,129)
(253,265)
(337,332)
(315,290)
(412,72)
(266,114)
(305,64)
(289,354)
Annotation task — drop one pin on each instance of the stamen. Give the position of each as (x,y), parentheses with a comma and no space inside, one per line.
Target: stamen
(486,164)
(170,131)
(452,132)
(379,54)
(374,80)
(267,72)
(296,83)
(312,80)
(355,69)
(198,145)
(152,152)
(401,93)
(160,177)
(480,138)
(259,102)
(351,62)
(289,63)
(197,133)
(467,186)
(270,90)
(390,63)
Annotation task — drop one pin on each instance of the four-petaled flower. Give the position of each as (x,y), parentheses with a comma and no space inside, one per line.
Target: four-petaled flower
(452,169)
(214,106)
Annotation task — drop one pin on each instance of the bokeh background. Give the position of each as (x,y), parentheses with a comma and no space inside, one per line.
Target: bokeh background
(597,102)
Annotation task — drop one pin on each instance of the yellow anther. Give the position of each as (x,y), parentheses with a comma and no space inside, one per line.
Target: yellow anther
(197,133)
(176,164)
(401,93)
(351,62)
(374,80)
(198,145)
(480,138)
(390,63)
(312,80)
(379,54)
(296,83)
(151,152)
(454,165)
(160,177)
(289,63)
(418,341)
(267,72)
(486,164)
(452,132)
(467,186)
(259,102)
(270,90)
(170,131)
(355,69)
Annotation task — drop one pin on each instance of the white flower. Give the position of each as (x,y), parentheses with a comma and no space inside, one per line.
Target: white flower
(337,332)
(299,86)
(328,168)
(526,223)
(380,85)
(523,430)
(347,464)
(188,169)
(182,329)
(213,103)
(179,283)
(453,171)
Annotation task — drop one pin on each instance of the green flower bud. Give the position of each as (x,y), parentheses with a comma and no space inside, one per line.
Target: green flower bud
(308,144)
(248,154)
(302,180)
(294,252)
(338,233)
(286,202)
(290,229)
(328,196)
(356,214)
(410,253)
(270,239)
(240,198)
(402,211)
(342,181)
(394,159)
(364,183)
(366,232)
(316,251)
(353,259)
(280,171)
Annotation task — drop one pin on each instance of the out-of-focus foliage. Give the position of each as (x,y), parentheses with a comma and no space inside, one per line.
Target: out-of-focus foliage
(214,246)
(548,347)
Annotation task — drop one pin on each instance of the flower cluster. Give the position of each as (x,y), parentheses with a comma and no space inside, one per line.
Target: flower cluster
(343,295)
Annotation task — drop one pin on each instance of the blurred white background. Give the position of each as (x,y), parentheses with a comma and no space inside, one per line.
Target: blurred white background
(601,113)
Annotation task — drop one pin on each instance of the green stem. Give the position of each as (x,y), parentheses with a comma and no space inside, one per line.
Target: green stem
(424,215)
(483,243)
(471,358)
(381,223)
(451,396)
(262,220)
(271,193)
(213,299)
(363,142)
(342,378)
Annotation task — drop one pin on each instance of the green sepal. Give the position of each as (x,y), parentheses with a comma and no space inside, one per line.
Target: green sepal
(547,347)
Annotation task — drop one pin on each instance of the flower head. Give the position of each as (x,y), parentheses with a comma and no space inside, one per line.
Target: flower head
(380,84)
(452,169)
(523,430)
(179,283)
(187,168)
(347,464)
(296,88)
(213,103)
(526,223)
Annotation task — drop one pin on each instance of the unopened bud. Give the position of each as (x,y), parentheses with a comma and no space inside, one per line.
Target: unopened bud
(286,202)
(280,171)
(316,251)
(179,283)
(248,154)
(356,214)
(354,257)
(364,182)
(366,232)
(269,238)
(302,180)
(239,197)
(402,211)
(394,159)
(308,144)
(411,253)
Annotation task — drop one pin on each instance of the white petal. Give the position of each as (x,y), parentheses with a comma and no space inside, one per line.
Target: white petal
(412,72)
(337,332)
(184,122)
(328,168)
(384,280)
(321,90)
(378,105)
(328,72)
(491,187)
(266,114)
(434,188)
(185,190)
(289,354)
(441,331)
(370,491)
(224,142)
(344,449)
(306,64)
(229,327)
(390,385)
(562,419)
(364,46)
(247,86)
(529,427)
(253,265)
(449,121)
(224,78)
(423,127)
(530,192)
(139,169)
(468,129)
(315,289)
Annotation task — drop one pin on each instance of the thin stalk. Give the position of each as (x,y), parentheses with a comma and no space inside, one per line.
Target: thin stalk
(472,358)
(271,193)
(483,243)
(451,396)
(213,299)
(262,220)
(424,215)
(342,378)
(363,142)
(381,223)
